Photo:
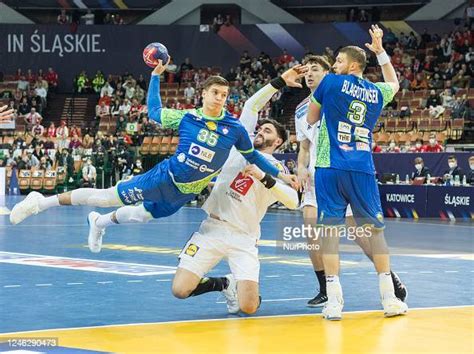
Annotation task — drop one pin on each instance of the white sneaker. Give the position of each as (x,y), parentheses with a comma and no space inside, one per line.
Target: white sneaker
(332,310)
(231,295)
(95,233)
(27,207)
(393,307)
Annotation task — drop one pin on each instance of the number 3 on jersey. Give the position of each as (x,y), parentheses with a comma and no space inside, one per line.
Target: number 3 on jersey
(357,111)
(205,136)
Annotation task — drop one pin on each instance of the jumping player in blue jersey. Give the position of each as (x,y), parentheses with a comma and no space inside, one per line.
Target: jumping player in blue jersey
(348,107)
(207,136)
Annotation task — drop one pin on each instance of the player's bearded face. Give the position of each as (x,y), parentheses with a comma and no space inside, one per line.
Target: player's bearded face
(265,137)
(341,65)
(215,97)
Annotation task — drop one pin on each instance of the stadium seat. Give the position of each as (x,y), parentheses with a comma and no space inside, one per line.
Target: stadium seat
(174,144)
(146,145)
(165,145)
(24,179)
(391,125)
(457,127)
(423,124)
(36,182)
(155,145)
(49,181)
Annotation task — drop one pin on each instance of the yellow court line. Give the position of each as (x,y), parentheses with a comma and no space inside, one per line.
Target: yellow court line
(436,330)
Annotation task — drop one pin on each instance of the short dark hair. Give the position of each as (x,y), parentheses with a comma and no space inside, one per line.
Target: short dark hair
(317,59)
(452,157)
(281,131)
(356,54)
(214,80)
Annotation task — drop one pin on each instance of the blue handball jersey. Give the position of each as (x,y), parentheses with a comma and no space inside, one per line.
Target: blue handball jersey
(350,108)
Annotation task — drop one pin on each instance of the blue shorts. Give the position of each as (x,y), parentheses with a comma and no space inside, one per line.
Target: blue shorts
(156,190)
(335,189)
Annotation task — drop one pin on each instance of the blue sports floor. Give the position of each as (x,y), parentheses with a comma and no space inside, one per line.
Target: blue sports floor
(69,289)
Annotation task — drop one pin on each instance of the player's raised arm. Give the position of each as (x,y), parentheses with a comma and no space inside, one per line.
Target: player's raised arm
(259,99)
(168,118)
(5,113)
(282,192)
(388,71)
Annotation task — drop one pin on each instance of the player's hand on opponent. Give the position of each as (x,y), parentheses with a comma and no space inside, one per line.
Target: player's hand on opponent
(291,76)
(304,179)
(254,171)
(377,34)
(6,114)
(292,180)
(160,67)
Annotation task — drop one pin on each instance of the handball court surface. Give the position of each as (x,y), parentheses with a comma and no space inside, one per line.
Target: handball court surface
(120,300)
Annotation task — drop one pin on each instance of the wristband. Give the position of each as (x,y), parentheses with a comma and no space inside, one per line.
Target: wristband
(268,181)
(383,58)
(278,83)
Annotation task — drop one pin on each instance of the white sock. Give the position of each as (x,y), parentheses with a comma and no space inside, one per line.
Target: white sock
(49,202)
(386,285)
(104,220)
(333,287)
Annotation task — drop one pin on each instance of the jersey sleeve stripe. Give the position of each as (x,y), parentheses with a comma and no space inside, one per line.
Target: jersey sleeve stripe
(314,100)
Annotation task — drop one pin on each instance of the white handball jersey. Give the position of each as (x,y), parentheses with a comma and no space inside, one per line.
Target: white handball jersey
(243,201)
(306,131)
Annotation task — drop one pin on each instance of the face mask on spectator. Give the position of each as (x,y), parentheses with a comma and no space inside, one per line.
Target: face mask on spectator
(139,164)
(471,166)
(432,141)
(294,146)
(419,166)
(452,165)
(418,145)
(392,145)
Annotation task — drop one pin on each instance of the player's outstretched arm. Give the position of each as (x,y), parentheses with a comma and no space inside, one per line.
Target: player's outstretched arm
(388,71)
(259,99)
(168,118)
(282,192)
(6,114)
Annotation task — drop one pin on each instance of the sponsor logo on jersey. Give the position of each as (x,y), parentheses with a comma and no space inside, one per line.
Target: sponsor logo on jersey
(344,127)
(192,250)
(211,125)
(344,138)
(362,132)
(362,146)
(181,157)
(204,168)
(225,130)
(201,152)
(241,184)
(132,196)
(192,163)
(346,147)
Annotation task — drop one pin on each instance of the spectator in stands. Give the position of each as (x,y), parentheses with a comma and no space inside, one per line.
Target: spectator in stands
(52,78)
(189,91)
(436,83)
(433,145)
(75,130)
(392,147)
(137,168)
(231,76)
(130,88)
(420,169)
(65,160)
(461,107)
(33,161)
(82,82)
(171,72)
(101,112)
(419,146)
(88,18)
(142,82)
(115,108)
(375,147)
(38,129)
(87,142)
(107,90)
(470,175)
(49,144)
(125,107)
(390,37)
(453,171)
(285,58)
(45,163)
(186,65)
(62,133)
(41,92)
(405,84)
(363,16)
(419,83)
(63,18)
(434,104)
(245,61)
(447,98)
(460,80)
(98,81)
(89,175)
(121,123)
(407,148)
(23,84)
(32,118)
(24,108)
(75,143)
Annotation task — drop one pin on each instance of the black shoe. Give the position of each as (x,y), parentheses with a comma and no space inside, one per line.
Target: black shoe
(401,291)
(319,301)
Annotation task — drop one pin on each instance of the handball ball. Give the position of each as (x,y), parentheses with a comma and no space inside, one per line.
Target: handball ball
(153,52)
